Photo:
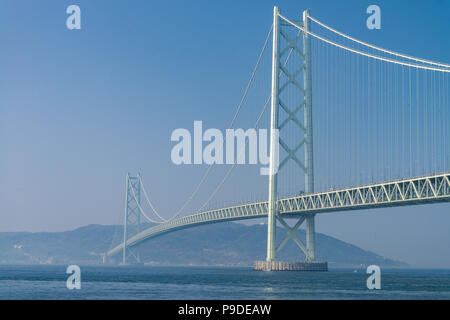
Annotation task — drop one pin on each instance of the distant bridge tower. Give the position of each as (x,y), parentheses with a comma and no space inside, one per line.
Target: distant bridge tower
(132,221)
(306,126)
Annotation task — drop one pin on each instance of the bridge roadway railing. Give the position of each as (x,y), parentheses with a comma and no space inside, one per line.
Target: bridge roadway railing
(420,190)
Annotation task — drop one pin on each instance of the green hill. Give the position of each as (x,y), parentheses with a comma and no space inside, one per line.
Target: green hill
(230,244)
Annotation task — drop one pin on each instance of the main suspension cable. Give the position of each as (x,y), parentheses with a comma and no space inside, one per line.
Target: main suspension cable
(378,48)
(363,53)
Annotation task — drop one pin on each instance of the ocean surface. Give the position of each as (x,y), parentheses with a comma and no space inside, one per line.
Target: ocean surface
(99,282)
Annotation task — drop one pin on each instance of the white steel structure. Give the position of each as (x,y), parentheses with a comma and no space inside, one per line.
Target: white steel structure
(132,221)
(305,126)
(418,127)
(422,190)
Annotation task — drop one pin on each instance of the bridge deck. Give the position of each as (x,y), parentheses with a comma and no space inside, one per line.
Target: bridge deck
(420,190)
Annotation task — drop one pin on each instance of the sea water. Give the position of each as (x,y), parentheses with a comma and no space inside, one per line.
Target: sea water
(145,282)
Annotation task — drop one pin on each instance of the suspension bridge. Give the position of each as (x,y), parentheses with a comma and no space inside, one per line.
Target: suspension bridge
(381,139)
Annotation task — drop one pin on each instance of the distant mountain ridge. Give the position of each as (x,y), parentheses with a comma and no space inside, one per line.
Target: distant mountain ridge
(224,244)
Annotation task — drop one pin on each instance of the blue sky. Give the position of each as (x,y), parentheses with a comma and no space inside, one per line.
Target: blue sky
(79,109)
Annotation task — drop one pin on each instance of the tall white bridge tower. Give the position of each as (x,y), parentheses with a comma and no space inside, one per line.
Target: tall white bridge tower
(306,127)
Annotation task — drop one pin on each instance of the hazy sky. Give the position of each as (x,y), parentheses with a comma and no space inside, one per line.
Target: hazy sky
(79,109)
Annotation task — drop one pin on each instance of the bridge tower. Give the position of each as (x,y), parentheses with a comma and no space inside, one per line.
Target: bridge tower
(132,219)
(306,126)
